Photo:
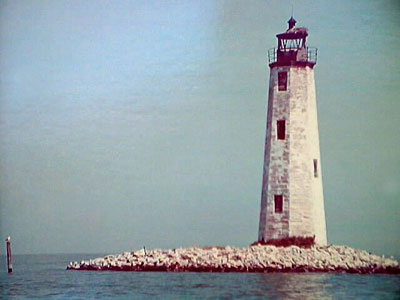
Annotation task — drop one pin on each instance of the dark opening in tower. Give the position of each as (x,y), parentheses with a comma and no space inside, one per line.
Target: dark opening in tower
(282,81)
(278,204)
(281,129)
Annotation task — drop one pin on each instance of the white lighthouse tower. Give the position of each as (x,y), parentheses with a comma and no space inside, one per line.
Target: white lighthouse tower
(292,201)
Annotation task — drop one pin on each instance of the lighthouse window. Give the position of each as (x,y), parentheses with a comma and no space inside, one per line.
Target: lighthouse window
(278,204)
(282,81)
(281,129)
(315,167)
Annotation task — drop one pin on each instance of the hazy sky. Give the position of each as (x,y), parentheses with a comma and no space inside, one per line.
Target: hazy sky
(131,123)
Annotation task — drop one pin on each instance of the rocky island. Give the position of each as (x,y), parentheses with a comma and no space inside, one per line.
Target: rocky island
(256,258)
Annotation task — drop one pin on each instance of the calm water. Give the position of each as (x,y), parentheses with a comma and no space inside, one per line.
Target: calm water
(45,277)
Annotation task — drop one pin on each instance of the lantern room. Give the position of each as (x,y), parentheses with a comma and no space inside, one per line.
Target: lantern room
(292,48)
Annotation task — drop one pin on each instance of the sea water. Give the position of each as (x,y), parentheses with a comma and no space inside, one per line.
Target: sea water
(45,277)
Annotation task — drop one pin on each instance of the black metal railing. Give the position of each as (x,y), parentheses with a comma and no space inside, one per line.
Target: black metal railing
(272,57)
(310,51)
(312,54)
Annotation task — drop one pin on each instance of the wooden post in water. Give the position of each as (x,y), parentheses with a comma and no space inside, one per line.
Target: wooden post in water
(9,258)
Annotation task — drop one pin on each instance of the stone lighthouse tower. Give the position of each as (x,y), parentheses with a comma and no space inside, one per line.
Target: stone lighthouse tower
(292,201)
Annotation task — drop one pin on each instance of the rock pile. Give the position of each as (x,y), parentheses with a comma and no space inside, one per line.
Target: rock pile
(257,258)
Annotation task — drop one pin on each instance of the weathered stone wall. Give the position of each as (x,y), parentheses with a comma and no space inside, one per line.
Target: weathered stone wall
(317,187)
(276,164)
(307,216)
(288,165)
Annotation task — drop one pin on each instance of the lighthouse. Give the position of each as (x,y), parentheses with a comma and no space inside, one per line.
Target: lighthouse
(292,201)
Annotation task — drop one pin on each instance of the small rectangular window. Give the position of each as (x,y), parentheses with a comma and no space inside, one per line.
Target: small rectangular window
(281,129)
(282,81)
(278,204)
(315,167)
